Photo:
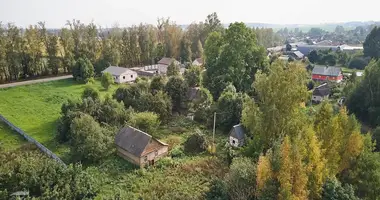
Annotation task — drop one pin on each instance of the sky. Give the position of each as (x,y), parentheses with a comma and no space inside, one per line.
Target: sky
(107,13)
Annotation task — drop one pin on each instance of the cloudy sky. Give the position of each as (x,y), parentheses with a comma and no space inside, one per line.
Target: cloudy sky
(126,12)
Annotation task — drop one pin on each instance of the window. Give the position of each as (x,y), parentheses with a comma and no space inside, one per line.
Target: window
(233,141)
(123,77)
(131,76)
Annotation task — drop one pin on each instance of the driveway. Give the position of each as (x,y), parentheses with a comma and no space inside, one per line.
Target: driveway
(8,85)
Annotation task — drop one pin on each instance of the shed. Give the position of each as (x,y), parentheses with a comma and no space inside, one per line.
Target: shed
(237,135)
(139,147)
(321,92)
(121,74)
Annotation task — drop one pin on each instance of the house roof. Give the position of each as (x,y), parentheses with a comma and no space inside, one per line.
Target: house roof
(198,60)
(116,71)
(298,54)
(237,131)
(166,61)
(326,70)
(136,141)
(322,90)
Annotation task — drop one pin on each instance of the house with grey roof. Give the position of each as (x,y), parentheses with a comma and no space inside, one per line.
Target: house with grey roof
(139,147)
(327,73)
(320,93)
(237,136)
(164,63)
(121,74)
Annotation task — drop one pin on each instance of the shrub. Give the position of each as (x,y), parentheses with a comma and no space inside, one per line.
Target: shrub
(196,143)
(158,84)
(145,121)
(164,162)
(177,152)
(218,190)
(107,80)
(358,63)
(83,70)
(90,92)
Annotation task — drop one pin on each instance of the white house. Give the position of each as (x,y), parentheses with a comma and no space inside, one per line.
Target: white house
(237,136)
(121,74)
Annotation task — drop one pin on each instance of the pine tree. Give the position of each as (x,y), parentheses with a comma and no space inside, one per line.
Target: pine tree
(299,175)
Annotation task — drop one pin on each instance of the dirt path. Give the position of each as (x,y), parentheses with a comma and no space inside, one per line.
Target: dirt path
(8,85)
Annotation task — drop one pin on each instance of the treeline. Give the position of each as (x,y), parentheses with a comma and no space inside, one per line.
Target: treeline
(35,51)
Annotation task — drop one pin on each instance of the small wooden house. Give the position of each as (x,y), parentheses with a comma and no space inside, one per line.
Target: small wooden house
(139,147)
(320,93)
(237,136)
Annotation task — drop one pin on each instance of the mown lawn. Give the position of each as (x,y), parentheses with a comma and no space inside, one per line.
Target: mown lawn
(36,108)
(9,139)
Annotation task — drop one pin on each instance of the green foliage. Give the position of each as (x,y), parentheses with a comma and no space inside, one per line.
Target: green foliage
(218,190)
(83,70)
(376,137)
(177,152)
(107,80)
(333,189)
(371,43)
(364,99)
(276,112)
(196,143)
(177,88)
(158,84)
(173,70)
(42,177)
(185,50)
(234,57)
(358,63)
(229,108)
(241,179)
(145,121)
(90,92)
(364,176)
(193,76)
(90,142)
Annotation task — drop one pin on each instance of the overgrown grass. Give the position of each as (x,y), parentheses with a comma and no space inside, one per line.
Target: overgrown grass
(9,139)
(36,108)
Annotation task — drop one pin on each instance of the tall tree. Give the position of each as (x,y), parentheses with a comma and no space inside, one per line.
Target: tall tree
(185,51)
(371,44)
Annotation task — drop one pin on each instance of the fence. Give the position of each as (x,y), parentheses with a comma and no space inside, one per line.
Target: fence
(31,140)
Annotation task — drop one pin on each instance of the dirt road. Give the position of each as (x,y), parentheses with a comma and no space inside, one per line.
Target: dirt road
(8,85)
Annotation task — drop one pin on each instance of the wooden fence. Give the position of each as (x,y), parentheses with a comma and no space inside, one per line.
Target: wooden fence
(31,140)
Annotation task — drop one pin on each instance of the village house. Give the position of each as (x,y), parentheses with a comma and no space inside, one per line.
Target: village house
(326,73)
(198,62)
(164,63)
(121,74)
(237,136)
(320,93)
(139,147)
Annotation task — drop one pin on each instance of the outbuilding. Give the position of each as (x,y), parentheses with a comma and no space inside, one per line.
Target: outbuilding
(237,136)
(139,147)
(121,74)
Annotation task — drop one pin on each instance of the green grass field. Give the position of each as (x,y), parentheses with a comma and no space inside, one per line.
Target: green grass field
(9,139)
(36,108)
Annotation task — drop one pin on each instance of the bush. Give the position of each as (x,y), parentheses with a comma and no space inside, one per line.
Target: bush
(358,63)
(218,190)
(158,84)
(164,162)
(90,92)
(196,143)
(83,70)
(107,80)
(145,121)
(177,152)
